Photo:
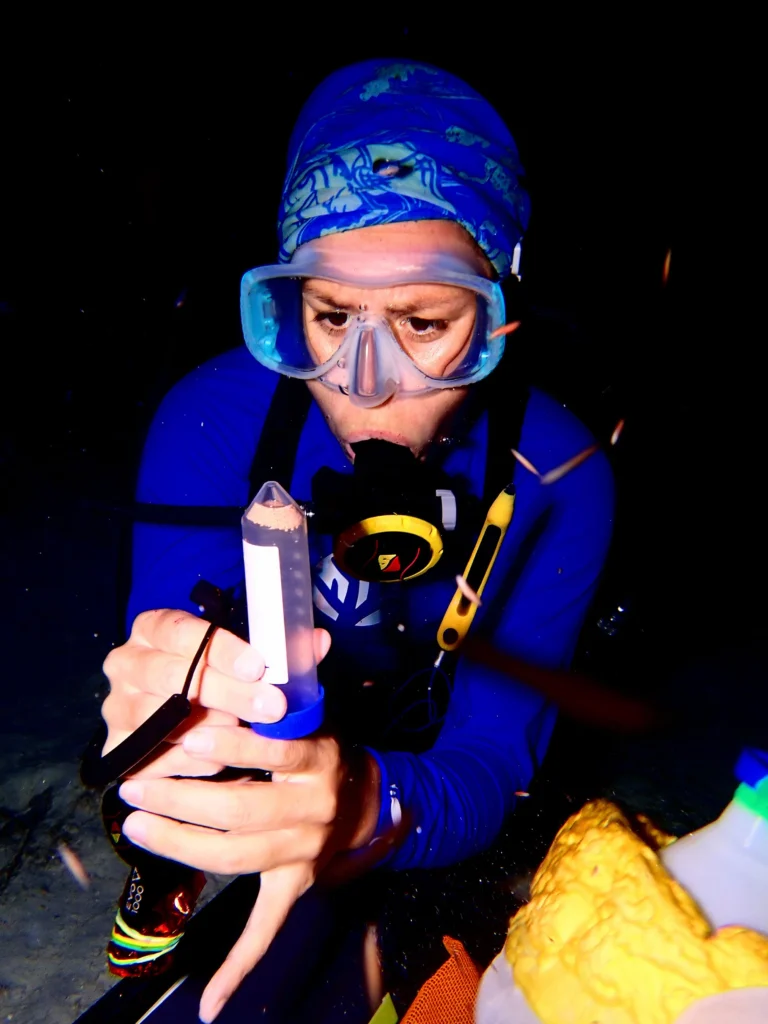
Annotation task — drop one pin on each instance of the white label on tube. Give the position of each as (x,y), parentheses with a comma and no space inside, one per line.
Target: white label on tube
(266,623)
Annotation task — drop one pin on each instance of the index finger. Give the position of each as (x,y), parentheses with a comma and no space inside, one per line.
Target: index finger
(244,748)
(178,632)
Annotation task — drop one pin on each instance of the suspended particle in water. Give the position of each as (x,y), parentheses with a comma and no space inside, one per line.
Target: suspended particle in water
(617,432)
(560,471)
(74,865)
(525,463)
(467,591)
(506,329)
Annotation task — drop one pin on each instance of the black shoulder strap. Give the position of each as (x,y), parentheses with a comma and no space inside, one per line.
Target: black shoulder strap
(274,460)
(278,444)
(184,515)
(507,399)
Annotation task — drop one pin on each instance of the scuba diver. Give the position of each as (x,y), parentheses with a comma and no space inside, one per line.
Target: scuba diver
(373,383)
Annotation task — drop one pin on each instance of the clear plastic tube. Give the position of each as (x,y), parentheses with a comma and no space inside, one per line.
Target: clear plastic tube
(278,588)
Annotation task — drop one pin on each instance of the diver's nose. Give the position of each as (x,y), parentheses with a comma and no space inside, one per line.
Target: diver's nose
(369,387)
(365,371)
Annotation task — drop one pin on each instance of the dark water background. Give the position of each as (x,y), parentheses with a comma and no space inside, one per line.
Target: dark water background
(140,180)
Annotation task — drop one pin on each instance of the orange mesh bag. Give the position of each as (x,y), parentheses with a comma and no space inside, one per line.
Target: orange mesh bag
(448,997)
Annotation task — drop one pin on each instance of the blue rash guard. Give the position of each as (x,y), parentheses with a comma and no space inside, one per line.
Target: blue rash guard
(496,731)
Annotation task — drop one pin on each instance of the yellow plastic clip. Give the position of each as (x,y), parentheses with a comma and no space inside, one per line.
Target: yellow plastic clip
(461,611)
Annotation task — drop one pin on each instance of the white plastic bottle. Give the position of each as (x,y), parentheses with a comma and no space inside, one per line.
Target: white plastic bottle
(499,1001)
(724,866)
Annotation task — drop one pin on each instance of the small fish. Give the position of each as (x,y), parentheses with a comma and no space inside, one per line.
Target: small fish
(467,591)
(506,329)
(560,471)
(74,865)
(617,432)
(665,269)
(524,462)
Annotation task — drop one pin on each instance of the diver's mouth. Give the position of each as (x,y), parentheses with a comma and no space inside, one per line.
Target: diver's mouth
(377,435)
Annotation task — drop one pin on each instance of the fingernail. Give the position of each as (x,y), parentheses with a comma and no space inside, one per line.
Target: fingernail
(249,665)
(199,741)
(132,792)
(212,1012)
(269,704)
(135,829)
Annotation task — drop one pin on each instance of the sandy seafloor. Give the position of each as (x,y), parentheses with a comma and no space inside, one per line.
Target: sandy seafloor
(59,624)
(53,934)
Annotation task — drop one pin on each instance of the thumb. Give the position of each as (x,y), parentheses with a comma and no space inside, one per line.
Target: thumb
(280,888)
(322,644)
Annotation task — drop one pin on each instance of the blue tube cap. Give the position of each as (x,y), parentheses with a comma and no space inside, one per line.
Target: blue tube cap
(752,766)
(296,724)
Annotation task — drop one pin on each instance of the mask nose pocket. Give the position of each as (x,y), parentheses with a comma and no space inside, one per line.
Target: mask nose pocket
(372,374)
(366,384)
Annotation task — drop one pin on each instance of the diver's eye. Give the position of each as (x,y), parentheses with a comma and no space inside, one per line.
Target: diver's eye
(336,318)
(425,327)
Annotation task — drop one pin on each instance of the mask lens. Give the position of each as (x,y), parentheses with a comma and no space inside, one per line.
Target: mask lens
(273,325)
(430,326)
(451,348)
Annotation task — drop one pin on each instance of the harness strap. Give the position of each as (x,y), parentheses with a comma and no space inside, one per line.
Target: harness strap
(278,445)
(274,459)
(506,399)
(277,448)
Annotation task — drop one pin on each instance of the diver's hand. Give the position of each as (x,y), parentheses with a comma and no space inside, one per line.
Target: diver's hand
(320,804)
(279,890)
(227,686)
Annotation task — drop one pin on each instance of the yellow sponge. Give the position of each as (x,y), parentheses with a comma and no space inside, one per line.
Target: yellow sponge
(610,937)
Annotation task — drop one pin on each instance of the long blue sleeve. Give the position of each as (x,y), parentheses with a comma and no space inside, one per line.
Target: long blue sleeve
(497,730)
(199,452)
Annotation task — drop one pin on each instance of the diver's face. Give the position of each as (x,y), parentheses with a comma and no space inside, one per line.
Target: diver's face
(432,322)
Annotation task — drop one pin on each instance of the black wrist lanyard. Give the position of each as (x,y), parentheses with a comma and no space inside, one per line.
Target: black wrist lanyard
(143,741)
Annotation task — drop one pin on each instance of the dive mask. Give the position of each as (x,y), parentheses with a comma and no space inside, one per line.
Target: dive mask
(357,326)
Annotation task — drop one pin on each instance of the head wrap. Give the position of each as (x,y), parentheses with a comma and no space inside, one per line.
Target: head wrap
(382,142)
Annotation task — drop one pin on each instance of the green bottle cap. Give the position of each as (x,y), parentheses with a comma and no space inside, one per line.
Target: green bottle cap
(754,798)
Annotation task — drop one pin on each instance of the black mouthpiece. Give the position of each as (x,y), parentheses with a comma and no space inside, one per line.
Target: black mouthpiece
(383,463)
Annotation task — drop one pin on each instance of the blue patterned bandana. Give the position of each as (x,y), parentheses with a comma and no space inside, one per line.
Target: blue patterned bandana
(383,142)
